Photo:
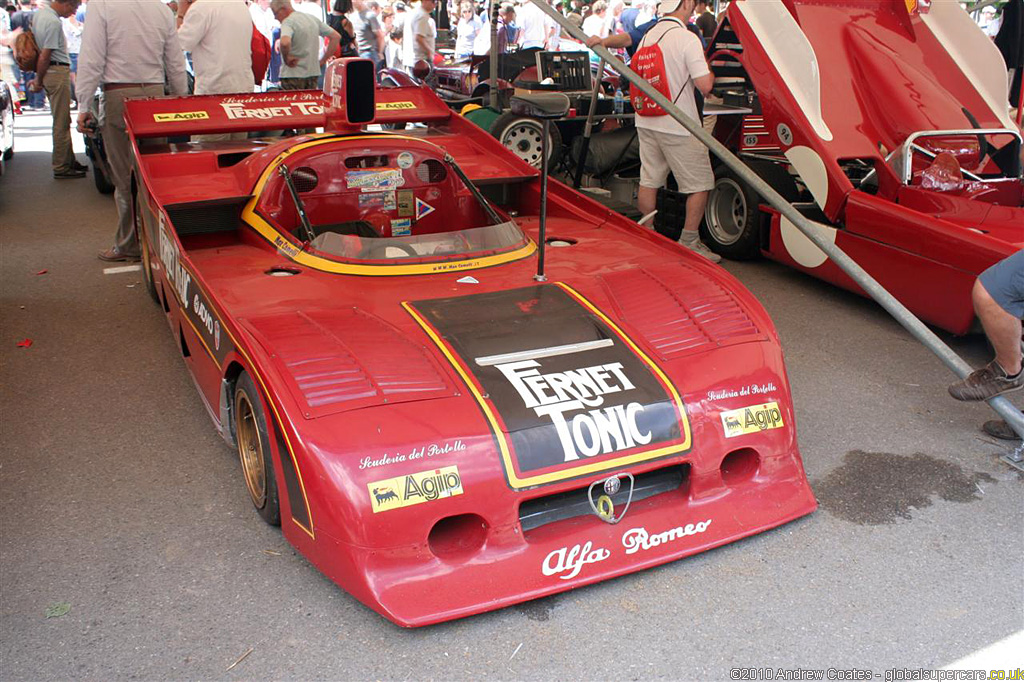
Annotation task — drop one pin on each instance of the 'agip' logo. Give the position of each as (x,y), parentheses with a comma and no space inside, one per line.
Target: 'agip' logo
(405,491)
(180,116)
(751,419)
(395,106)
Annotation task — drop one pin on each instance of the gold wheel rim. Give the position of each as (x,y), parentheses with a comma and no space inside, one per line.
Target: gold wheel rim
(250,450)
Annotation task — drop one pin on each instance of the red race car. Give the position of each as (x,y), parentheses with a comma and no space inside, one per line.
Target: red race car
(886,121)
(437,430)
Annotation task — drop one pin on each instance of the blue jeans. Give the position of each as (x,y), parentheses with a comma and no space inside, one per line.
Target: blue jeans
(35,100)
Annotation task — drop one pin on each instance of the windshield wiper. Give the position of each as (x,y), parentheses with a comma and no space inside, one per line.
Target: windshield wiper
(303,218)
(472,188)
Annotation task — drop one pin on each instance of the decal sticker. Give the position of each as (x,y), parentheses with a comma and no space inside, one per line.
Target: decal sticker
(395,106)
(571,561)
(423,209)
(417,453)
(191,299)
(433,193)
(236,109)
(752,419)
(565,391)
(401,227)
(382,200)
(405,160)
(751,389)
(180,116)
(377,180)
(405,491)
(636,539)
(406,203)
(468,279)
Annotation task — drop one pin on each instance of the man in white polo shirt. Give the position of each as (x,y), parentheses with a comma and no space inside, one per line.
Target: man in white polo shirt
(419,36)
(665,145)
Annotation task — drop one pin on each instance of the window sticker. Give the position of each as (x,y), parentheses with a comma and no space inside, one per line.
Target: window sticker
(376,180)
(401,227)
(385,201)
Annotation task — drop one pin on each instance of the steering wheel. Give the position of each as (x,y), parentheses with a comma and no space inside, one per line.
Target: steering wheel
(373,246)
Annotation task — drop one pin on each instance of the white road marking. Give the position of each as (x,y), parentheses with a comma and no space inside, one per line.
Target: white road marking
(122,268)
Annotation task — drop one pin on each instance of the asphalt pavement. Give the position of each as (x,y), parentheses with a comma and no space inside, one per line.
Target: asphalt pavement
(129,549)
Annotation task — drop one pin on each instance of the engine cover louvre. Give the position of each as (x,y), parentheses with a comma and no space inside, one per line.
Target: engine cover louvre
(348,359)
(679,311)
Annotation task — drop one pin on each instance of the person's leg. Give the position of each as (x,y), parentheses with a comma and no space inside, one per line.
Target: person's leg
(57,84)
(999,303)
(691,167)
(119,156)
(74,75)
(653,172)
(1001,328)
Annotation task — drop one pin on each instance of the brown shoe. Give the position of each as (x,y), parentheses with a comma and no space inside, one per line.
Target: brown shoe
(112,255)
(987,382)
(998,428)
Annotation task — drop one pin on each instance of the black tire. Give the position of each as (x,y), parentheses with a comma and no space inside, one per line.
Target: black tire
(100,179)
(147,266)
(731,226)
(253,444)
(147,269)
(522,135)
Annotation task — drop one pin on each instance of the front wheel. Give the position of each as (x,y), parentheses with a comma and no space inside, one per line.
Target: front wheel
(524,136)
(254,450)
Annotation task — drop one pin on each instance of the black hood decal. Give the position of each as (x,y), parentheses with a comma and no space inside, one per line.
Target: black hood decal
(565,391)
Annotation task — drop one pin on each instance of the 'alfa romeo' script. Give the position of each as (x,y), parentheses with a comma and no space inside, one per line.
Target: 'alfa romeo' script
(564,398)
(636,539)
(573,560)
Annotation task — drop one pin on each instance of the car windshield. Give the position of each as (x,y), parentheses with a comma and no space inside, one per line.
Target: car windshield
(454,245)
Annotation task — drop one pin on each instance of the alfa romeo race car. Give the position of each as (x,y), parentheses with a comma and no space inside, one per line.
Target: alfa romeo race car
(886,121)
(437,428)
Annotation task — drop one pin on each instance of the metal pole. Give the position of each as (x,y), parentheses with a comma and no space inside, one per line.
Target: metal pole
(585,147)
(810,228)
(493,66)
(540,276)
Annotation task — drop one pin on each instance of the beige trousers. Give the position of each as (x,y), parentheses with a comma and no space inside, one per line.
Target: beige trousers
(119,155)
(57,83)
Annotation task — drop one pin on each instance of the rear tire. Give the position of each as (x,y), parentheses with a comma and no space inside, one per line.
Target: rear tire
(253,441)
(147,257)
(731,226)
(99,177)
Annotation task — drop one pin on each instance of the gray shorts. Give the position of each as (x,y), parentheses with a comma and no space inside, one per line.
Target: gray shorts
(1004,282)
(684,155)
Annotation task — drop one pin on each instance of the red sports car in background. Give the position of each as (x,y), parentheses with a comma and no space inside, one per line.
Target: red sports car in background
(886,121)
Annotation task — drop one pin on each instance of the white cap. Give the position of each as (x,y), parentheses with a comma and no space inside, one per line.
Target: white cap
(668,6)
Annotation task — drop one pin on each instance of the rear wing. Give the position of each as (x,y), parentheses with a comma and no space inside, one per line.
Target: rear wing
(346,107)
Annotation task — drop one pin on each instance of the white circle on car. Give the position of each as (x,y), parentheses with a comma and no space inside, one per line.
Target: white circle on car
(811,170)
(405,160)
(801,248)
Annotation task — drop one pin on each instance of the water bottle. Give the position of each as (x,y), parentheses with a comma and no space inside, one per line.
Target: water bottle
(620,101)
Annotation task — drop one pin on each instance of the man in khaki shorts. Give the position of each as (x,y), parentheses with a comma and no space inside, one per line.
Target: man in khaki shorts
(665,145)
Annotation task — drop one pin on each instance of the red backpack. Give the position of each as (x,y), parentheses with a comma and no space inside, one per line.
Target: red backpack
(649,64)
(260,48)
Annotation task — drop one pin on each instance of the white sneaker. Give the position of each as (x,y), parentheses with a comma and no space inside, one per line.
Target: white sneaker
(697,246)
